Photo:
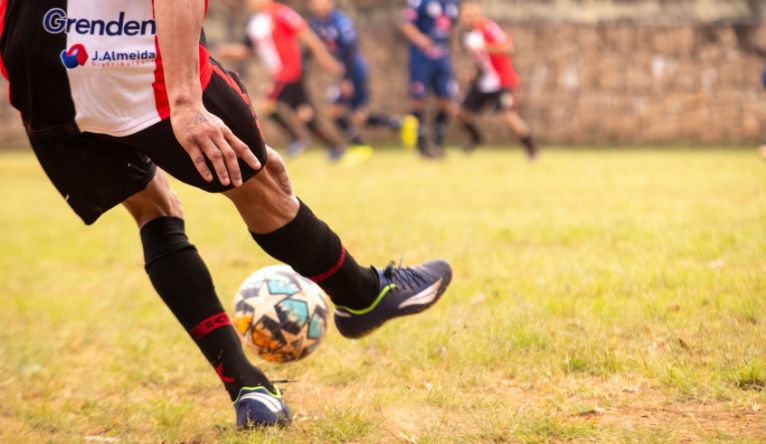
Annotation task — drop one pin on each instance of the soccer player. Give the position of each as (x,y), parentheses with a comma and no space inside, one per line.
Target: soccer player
(351,95)
(276,32)
(496,80)
(428,27)
(113,95)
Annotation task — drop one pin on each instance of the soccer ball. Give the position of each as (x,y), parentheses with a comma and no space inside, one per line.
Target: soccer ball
(280,314)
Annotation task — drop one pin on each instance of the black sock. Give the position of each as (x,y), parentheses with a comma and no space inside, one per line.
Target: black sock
(349,130)
(277,118)
(313,250)
(317,130)
(421,129)
(473,132)
(380,119)
(530,145)
(181,278)
(441,125)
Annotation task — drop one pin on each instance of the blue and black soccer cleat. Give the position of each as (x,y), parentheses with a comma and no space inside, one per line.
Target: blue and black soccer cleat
(257,407)
(403,291)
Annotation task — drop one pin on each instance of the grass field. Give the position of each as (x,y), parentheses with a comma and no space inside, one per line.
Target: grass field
(599,296)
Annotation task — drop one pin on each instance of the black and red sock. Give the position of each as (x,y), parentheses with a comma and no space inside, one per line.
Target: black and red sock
(313,250)
(441,126)
(184,283)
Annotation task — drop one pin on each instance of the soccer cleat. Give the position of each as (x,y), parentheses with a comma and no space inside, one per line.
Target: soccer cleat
(356,155)
(296,148)
(403,291)
(257,408)
(409,132)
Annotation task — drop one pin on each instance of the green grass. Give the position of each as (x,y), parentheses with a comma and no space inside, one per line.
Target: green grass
(599,296)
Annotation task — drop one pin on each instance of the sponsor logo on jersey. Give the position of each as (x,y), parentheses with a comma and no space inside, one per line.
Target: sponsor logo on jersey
(75,56)
(56,21)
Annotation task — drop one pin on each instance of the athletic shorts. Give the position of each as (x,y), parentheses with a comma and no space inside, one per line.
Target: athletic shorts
(96,172)
(432,76)
(503,100)
(359,99)
(292,94)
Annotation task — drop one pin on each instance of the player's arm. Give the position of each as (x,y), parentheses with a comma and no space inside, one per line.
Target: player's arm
(202,134)
(500,47)
(348,40)
(417,38)
(319,51)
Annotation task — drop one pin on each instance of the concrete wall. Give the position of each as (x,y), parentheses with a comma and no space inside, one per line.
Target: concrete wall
(594,71)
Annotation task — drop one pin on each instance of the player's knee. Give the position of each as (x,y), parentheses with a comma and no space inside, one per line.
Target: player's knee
(305,114)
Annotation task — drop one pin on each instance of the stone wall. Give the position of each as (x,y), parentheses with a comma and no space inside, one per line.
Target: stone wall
(594,72)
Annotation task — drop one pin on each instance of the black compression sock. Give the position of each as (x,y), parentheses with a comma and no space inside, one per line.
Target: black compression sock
(441,125)
(316,129)
(473,132)
(422,130)
(380,119)
(530,145)
(350,130)
(280,121)
(182,280)
(313,250)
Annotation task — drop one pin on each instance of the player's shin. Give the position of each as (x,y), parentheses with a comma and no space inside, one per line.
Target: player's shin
(183,282)
(312,249)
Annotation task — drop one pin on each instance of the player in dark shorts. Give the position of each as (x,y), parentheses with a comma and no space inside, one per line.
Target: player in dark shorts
(496,81)
(276,32)
(428,26)
(113,95)
(350,96)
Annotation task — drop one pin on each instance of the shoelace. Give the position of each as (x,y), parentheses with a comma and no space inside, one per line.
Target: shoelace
(404,277)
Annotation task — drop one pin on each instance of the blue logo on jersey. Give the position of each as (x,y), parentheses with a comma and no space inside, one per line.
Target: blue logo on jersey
(56,21)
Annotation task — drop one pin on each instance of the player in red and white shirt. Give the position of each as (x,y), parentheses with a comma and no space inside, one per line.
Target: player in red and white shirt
(496,81)
(276,33)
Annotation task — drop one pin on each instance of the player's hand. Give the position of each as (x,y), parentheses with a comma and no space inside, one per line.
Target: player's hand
(346,88)
(204,135)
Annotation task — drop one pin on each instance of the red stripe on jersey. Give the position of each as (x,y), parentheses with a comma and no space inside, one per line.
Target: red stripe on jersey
(160,89)
(3,9)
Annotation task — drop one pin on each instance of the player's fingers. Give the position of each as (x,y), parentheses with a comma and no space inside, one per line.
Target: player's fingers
(243,151)
(216,158)
(198,158)
(229,158)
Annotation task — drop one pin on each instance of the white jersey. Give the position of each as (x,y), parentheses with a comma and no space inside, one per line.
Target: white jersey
(108,53)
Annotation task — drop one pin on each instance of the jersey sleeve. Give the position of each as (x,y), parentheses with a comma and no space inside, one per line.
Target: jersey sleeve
(348,37)
(291,20)
(412,12)
(493,33)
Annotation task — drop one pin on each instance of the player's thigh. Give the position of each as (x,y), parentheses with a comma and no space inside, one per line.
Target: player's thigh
(93,173)
(475,101)
(226,98)
(420,80)
(443,81)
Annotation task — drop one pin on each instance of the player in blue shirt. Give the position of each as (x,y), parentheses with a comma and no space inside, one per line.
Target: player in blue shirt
(428,27)
(351,95)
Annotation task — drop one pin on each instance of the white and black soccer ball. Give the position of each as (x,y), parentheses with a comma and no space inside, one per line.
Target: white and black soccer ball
(280,314)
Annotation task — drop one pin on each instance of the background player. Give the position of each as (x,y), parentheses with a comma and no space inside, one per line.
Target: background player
(351,96)
(105,133)
(428,27)
(496,80)
(276,32)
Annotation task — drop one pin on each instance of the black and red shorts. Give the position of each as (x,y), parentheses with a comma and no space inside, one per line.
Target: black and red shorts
(96,172)
(503,100)
(292,94)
